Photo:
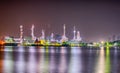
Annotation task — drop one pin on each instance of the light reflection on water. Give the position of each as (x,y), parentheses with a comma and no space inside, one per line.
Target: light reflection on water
(20,65)
(59,60)
(8,63)
(75,65)
(100,63)
(63,62)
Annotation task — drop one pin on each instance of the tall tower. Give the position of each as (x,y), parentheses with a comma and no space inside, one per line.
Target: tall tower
(74,33)
(32,32)
(64,38)
(64,30)
(43,35)
(78,36)
(52,37)
(21,33)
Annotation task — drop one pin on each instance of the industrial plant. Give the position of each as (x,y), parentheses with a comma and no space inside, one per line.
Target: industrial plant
(52,40)
(63,40)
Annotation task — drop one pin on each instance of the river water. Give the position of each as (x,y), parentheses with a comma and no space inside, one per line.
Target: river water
(59,60)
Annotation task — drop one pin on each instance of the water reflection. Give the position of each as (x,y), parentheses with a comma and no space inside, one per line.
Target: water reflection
(8,61)
(103,63)
(107,61)
(63,50)
(41,60)
(32,63)
(43,66)
(1,66)
(53,62)
(75,65)
(1,57)
(75,50)
(63,61)
(90,63)
(115,67)
(42,50)
(52,50)
(20,49)
(8,48)
(100,64)
(32,49)
(46,61)
(59,60)
(20,64)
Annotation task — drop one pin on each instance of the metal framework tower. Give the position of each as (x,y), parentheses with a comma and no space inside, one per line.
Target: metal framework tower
(74,33)
(64,38)
(32,32)
(78,36)
(43,35)
(64,30)
(21,34)
(52,37)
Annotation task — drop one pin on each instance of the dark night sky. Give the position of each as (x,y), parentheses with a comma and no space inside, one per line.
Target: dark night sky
(96,20)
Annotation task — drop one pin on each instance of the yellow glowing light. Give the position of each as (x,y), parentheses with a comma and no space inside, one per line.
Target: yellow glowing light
(102,42)
(42,42)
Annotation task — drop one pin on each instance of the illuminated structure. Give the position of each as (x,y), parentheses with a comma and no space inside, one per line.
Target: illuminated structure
(52,37)
(78,36)
(21,34)
(32,32)
(43,35)
(8,39)
(74,32)
(64,38)
(44,40)
(76,41)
